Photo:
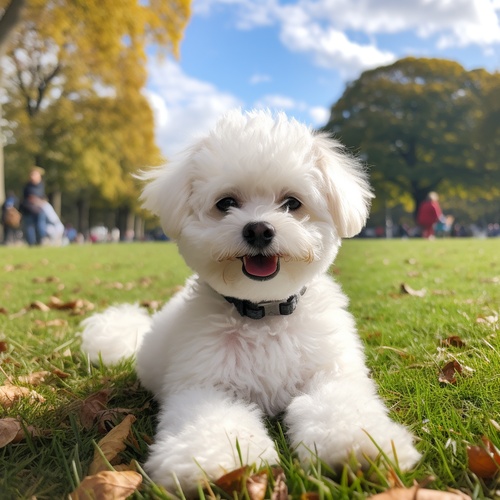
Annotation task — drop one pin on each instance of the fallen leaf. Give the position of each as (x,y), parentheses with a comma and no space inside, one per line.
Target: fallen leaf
(407,289)
(35,378)
(495,279)
(10,394)
(9,429)
(12,431)
(416,493)
(454,341)
(51,322)
(91,407)
(106,419)
(39,306)
(3,346)
(484,460)
(48,279)
(151,304)
(111,445)
(232,482)
(310,496)
(488,320)
(3,310)
(447,374)
(257,486)
(60,373)
(109,485)
(280,490)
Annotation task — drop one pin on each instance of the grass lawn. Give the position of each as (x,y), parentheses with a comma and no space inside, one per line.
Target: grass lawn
(454,290)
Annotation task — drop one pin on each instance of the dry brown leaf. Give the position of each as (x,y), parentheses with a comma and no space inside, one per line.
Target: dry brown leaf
(257,486)
(4,347)
(107,419)
(454,341)
(109,485)
(92,406)
(12,431)
(407,289)
(111,445)
(9,429)
(3,310)
(491,320)
(10,394)
(40,306)
(416,493)
(60,373)
(232,482)
(151,304)
(48,279)
(310,495)
(484,460)
(51,322)
(280,490)
(447,374)
(35,378)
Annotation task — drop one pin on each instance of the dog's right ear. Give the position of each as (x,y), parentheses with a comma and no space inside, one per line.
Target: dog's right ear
(166,194)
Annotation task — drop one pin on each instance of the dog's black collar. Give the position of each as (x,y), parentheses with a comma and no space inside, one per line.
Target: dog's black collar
(271,308)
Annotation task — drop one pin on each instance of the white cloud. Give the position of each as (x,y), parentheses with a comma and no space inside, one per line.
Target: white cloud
(183,106)
(318,27)
(319,115)
(330,48)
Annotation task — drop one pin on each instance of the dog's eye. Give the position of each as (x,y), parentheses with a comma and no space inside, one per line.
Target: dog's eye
(291,204)
(226,203)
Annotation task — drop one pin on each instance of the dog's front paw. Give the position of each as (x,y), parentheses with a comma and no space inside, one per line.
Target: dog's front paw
(336,448)
(331,425)
(202,436)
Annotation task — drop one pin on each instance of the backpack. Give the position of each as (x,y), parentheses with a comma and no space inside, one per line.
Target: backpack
(12,217)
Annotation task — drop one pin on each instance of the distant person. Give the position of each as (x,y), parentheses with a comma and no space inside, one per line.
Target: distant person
(54,226)
(11,218)
(34,218)
(428,214)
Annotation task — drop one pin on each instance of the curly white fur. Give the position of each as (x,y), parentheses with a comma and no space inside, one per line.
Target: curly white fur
(217,374)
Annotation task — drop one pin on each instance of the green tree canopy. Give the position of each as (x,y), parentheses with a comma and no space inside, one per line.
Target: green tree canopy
(416,122)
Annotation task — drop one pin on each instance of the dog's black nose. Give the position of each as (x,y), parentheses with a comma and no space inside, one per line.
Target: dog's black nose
(258,234)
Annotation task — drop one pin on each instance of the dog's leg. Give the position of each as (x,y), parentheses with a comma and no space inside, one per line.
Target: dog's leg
(199,434)
(341,417)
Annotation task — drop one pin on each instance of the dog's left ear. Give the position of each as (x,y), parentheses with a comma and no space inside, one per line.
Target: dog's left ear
(347,189)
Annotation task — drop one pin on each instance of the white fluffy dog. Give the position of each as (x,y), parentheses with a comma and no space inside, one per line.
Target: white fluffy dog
(258,208)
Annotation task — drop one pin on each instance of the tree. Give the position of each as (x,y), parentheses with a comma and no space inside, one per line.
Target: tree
(415,122)
(8,21)
(75,75)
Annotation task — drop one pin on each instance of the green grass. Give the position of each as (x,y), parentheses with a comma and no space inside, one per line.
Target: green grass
(402,334)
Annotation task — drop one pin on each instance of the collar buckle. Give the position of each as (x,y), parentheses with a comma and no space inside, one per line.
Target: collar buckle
(269,308)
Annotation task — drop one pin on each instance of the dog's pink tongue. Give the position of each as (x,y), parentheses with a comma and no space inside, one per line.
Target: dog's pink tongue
(260,265)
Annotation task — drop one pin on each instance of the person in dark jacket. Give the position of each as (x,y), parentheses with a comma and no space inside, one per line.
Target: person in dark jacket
(34,218)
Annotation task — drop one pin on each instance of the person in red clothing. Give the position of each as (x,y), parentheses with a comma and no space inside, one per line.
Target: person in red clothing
(429,212)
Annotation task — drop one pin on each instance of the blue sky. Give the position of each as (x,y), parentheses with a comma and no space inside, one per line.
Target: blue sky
(297,56)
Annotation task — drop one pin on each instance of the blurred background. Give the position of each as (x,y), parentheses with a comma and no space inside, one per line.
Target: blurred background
(93,90)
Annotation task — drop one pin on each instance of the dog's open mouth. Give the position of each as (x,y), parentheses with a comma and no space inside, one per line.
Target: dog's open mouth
(261,267)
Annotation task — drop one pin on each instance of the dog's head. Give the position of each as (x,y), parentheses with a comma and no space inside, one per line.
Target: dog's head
(258,207)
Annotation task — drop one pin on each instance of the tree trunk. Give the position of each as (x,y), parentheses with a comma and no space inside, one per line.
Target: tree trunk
(83,206)
(130,232)
(139,228)
(55,201)
(8,22)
